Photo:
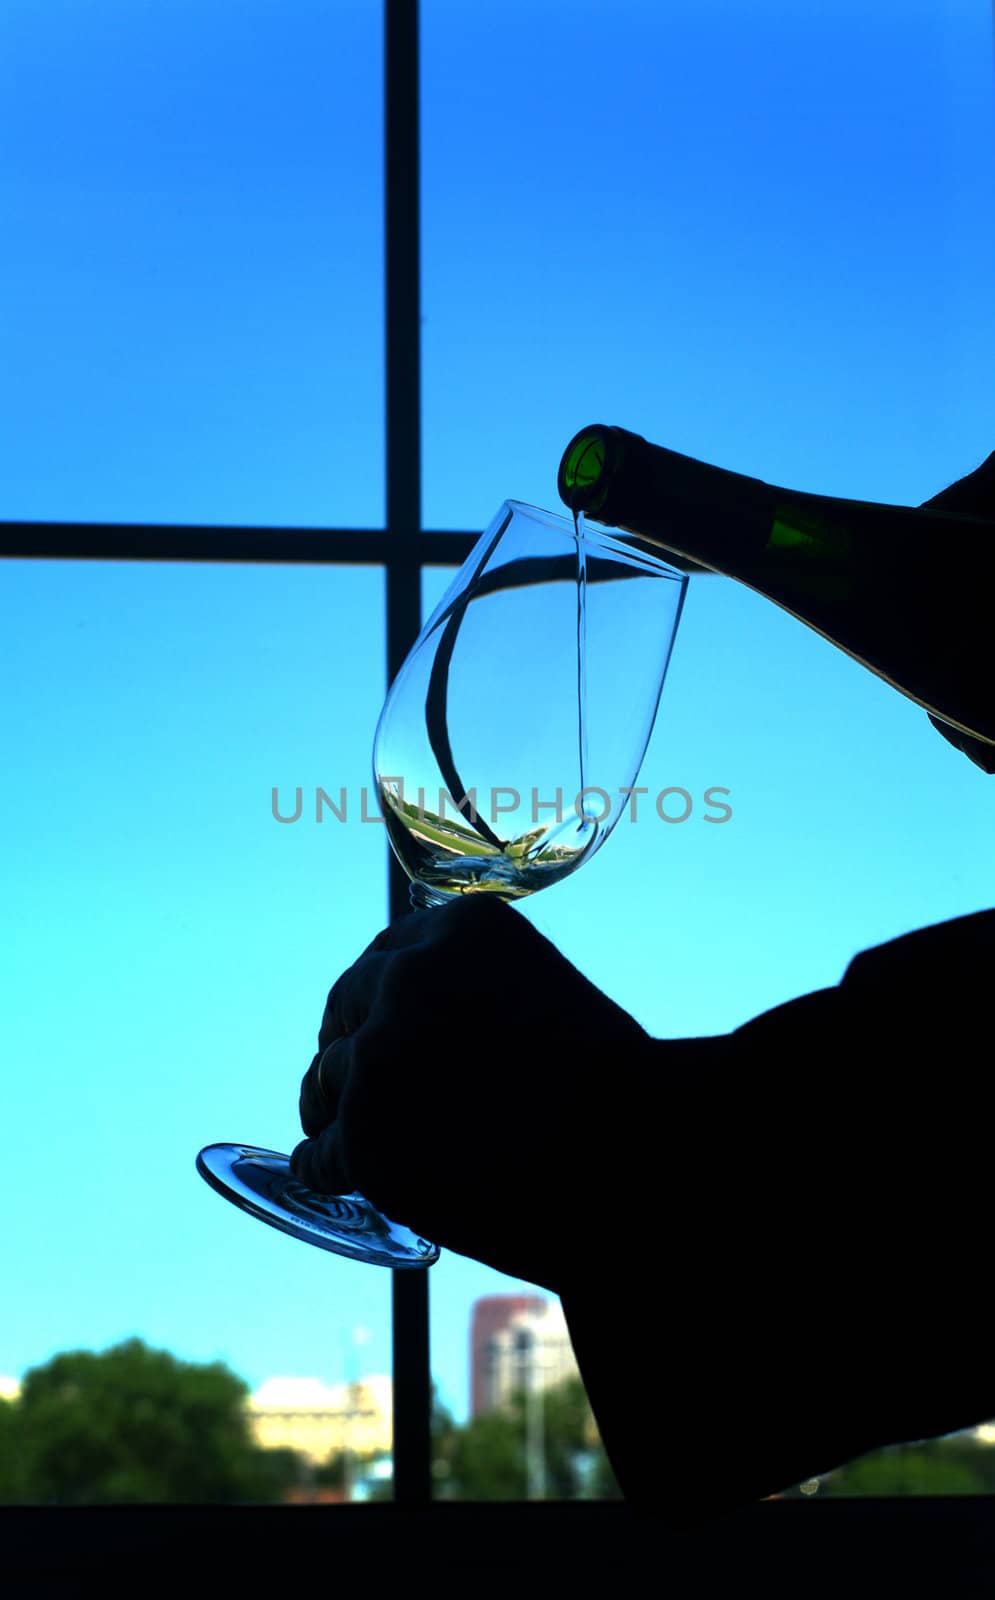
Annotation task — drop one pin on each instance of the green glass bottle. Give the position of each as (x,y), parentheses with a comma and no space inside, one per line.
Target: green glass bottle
(908,591)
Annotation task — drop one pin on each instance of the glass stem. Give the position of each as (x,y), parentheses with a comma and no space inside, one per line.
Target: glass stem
(422,897)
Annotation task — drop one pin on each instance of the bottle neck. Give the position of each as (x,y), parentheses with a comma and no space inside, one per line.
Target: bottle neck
(671,500)
(875,580)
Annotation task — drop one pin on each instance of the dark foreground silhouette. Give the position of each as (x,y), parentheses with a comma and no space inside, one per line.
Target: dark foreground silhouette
(799,1208)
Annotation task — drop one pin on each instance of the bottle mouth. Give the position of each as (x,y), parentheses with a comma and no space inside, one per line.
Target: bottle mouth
(582,480)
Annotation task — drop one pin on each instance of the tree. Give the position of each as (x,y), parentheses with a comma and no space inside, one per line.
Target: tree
(11,1465)
(959,1464)
(488,1459)
(132,1425)
(576,1464)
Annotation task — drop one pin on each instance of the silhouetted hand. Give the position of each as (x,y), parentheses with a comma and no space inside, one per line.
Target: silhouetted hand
(471,1083)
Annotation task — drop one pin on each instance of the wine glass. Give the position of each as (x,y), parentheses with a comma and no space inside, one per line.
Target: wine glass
(506,752)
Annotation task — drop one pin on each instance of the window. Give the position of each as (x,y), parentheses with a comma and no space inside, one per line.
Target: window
(193,271)
(195,249)
(760,236)
(764,241)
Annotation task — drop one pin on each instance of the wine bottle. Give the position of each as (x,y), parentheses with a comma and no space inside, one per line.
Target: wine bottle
(908,591)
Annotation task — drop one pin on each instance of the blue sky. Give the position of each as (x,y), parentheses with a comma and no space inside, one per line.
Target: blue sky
(764,236)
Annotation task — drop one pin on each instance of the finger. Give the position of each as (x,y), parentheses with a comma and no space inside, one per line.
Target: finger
(320,1163)
(352,998)
(414,929)
(411,928)
(307,1103)
(462,913)
(323,1085)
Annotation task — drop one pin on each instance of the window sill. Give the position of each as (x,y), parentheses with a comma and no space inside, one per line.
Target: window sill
(860,1547)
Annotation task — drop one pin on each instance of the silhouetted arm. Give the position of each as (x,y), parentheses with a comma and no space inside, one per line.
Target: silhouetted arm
(819,1239)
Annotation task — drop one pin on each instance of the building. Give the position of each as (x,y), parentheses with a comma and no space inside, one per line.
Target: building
(491,1313)
(518,1343)
(320,1420)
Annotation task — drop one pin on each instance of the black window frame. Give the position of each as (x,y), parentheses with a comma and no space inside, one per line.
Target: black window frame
(400,550)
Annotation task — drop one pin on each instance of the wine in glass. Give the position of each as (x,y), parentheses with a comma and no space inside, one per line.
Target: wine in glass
(506,752)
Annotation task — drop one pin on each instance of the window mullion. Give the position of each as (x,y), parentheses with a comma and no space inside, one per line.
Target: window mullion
(411,1362)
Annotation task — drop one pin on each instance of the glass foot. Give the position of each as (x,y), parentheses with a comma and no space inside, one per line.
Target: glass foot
(261,1183)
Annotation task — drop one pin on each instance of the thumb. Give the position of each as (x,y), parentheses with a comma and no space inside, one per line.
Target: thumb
(320,1163)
